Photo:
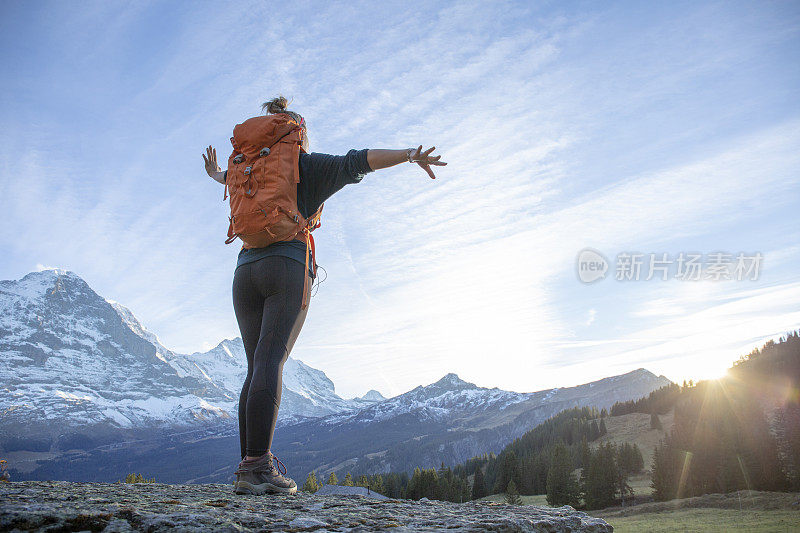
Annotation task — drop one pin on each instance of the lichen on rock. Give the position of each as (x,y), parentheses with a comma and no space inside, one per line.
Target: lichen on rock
(155,507)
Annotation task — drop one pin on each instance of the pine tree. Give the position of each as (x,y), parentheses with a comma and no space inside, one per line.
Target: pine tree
(424,482)
(392,486)
(414,489)
(311,484)
(666,470)
(478,485)
(509,469)
(466,493)
(603,429)
(348,480)
(332,479)
(584,453)
(600,480)
(562,488)
(138,478)
(512,496)
(629,459)
(791,417)
(431,483)
(540,466)
(638,460)
(655,422)
(594,431)
(376,484)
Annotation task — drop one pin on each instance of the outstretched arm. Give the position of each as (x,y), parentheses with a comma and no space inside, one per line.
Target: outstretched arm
(212,168)
(376,159)
(388,158)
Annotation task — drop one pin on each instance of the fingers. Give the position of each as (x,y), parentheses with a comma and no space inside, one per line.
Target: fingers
(212,153)
(424,159)
(427,169)
(434,160)
(210,160)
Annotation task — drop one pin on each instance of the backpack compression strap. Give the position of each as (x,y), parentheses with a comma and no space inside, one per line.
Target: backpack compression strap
(312,224)
(309,245)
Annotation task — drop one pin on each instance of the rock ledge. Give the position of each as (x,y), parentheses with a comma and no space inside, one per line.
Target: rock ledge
(155,507)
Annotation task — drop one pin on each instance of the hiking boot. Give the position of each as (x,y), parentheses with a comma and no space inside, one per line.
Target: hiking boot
(260,476)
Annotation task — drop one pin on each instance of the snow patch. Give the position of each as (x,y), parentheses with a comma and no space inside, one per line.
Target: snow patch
(71,396)
(117,417)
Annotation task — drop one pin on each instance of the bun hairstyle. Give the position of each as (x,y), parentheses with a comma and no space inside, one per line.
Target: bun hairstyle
(276,105)
(279,105)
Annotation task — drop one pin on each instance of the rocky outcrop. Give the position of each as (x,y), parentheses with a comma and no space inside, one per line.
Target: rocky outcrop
(154,507)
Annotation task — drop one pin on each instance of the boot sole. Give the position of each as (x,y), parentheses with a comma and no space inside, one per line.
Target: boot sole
(243,487)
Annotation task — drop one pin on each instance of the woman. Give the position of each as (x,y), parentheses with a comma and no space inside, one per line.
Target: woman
(267,288)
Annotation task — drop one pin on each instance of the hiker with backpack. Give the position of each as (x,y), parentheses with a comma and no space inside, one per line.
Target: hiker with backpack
(277,190)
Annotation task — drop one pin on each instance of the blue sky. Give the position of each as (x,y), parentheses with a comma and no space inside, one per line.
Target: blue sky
(624,127)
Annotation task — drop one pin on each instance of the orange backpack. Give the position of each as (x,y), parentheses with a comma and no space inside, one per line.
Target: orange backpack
(263,172)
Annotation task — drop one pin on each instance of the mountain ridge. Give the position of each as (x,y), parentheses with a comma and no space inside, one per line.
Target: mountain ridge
(71,355)
(81,373)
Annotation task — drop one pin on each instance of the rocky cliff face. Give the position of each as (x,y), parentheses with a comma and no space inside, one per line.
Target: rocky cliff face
(70,358)
(120,507)
(72,361)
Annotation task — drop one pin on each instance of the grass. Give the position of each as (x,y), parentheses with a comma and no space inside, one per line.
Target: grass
(710,520)
(736,511)
(742,511)
(634,428)
(641,485)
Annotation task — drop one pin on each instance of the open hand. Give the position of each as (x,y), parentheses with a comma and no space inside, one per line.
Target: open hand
(211,162)
(424,160)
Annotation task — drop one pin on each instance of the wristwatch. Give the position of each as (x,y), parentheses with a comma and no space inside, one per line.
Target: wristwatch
(408,154)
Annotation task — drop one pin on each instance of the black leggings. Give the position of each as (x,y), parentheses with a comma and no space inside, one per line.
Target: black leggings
(266,298)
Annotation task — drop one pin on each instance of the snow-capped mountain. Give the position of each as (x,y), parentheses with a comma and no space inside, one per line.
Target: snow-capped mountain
(372,396)
(68,357)
(78,373)
(307,391)
(447,421)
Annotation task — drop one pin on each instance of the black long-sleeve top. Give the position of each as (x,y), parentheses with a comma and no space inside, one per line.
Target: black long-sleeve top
(321,175)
